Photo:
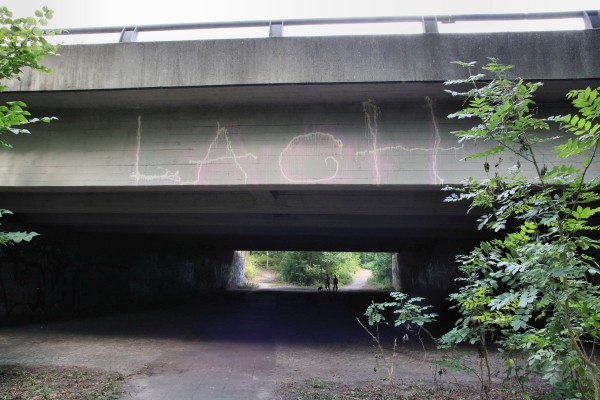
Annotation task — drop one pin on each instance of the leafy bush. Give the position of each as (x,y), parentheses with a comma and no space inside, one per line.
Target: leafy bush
(309,268)
(381,265)
(266,259)
(22,45)
(250,269)
(536,286)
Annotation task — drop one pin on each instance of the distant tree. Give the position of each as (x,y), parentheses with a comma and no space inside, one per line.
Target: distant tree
(267,259)
(301,268)
(342,264)
(381,265)
(309,267)
(22,45)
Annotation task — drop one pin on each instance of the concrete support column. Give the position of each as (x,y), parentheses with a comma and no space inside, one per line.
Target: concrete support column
(62,274)
(396,282)
(411,264)
(425,270)
(238,267)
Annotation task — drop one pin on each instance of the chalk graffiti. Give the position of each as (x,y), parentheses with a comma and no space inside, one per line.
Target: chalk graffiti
(137,176)
(311,158)
(221,143)
(174,176)
(308,158)
(435,149)
(371,111)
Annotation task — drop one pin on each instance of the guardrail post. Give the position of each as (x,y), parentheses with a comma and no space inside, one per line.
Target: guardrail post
(129,35)
(275,28)
(430,25)
(591,19)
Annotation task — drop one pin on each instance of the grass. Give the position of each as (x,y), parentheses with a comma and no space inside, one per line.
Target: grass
(250,270)
(49,383)
(380,283)
(417,391)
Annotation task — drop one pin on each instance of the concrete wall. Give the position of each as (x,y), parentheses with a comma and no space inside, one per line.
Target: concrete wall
(61,275)
(428,269)
(167,113)
(400,58)
(362,144)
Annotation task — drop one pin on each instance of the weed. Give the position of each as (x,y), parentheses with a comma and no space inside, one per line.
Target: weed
(316,383)
(58,383)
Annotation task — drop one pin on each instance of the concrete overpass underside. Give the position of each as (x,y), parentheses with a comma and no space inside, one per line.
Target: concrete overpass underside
(367,218)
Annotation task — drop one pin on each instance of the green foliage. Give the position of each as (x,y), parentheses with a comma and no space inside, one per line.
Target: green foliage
(535,286)
(22,42)
(250,269)
(309,268)
(302,268)
(266,259)
(22,45)
(409,313)
(381,265)
(14,237)
(407,309)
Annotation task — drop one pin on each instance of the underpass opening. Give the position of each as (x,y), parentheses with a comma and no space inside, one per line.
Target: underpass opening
(102,249)
(293,295)
(293,280)
(318,270)
(419,269)
(191,286)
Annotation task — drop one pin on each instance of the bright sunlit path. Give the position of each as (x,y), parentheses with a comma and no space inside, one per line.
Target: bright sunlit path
(112,13)
(317,270)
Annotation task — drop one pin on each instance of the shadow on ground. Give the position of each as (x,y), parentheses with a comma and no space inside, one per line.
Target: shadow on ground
(229,345)
(290,316)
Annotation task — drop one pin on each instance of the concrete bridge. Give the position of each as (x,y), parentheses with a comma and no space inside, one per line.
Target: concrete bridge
(257,140)
(273,143)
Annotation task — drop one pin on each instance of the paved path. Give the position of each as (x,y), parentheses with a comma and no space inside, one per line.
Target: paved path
(227,347)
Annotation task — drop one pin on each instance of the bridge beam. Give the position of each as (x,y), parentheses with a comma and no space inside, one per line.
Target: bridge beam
(313,60)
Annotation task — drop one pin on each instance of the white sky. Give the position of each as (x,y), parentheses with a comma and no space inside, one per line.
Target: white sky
(96,13)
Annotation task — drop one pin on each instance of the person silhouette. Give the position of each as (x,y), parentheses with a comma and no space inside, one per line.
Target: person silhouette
(327,287)
(335,282)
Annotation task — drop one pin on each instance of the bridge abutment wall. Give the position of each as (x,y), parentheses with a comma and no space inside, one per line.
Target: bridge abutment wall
(428,269)
(62,275)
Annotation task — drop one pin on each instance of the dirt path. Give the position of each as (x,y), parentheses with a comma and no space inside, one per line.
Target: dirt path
(266,279)
(359,280)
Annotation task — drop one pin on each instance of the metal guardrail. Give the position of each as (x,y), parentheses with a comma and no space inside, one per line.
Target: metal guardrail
(430,23)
